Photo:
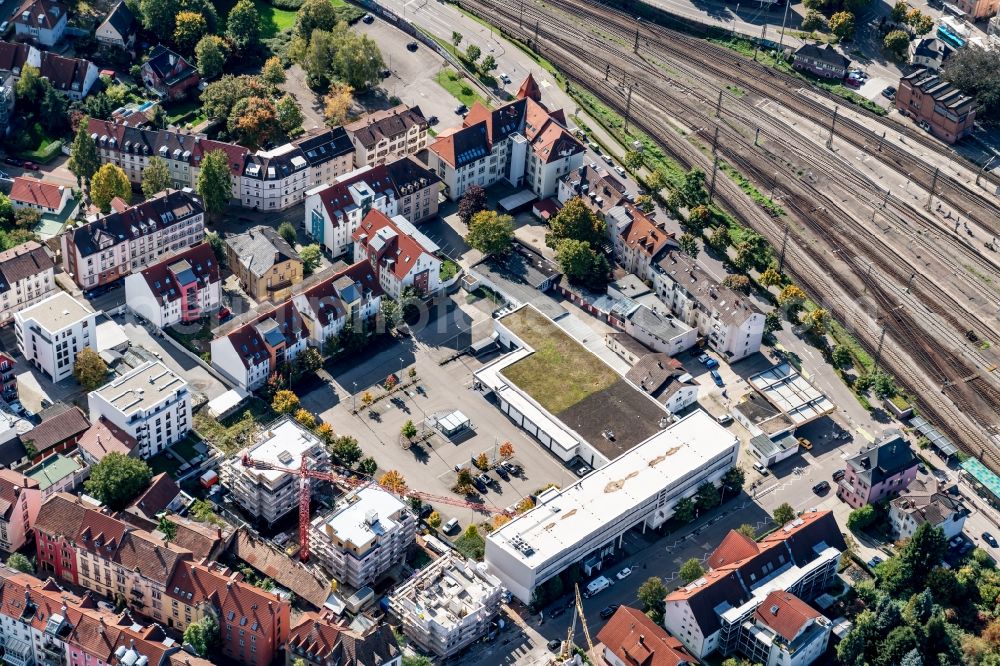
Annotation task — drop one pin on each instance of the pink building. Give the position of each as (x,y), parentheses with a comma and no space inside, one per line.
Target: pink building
(56,528)
(22,499)
(181,289)
(879,471)
(8,381)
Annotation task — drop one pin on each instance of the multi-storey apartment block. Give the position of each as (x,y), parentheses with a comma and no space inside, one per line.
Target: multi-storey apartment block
(264,263)
(399,253)
(879,471)
(52,331)
(27,275)
(351,295)
(150,403)
(249,352)
(181,289)
(947,112)
(22,499)
(383,136)
(130,239)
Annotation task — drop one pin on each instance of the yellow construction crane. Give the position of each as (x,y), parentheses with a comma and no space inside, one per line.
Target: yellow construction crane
(577,612)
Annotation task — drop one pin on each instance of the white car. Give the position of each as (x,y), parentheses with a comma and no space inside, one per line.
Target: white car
(620,170)
(624,573)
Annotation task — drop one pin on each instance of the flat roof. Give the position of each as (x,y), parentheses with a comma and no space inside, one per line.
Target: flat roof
(448,591)
(983,475)
(562,519)
(521,266)
(790,393)
(141,388)
(52,470)
(56,312)
(362,516)
(282,445)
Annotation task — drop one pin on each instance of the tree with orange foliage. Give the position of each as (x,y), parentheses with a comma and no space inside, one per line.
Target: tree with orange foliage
(500,520)
(506,450)
(393,481)
(253,122)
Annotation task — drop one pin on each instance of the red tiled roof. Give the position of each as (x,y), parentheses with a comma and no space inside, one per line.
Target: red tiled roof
(638,641)
(785,613)
(104,437)
(35,192)
(314,635)
(162,278)
(529,88)
(100,527)
(646,235)
(161,492)
(403,250)
(51,13)
(61,515)
(734,546)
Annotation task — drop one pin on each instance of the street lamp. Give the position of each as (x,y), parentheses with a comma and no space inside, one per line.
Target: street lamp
(354,397)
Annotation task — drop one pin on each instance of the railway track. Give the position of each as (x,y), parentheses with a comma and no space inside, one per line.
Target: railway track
(945,369)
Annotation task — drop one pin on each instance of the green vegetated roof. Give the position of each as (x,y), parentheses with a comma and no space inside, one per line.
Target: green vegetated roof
(983,475)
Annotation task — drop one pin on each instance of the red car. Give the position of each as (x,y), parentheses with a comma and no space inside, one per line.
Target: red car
(30,166)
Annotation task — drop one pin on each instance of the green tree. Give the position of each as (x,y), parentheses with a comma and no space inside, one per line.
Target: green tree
(243,25)
(289,114)
(925,549)
(218,245)
(699,217)
(359,61)
(842,25)
(253,122)
(884,385)
(632,160)
(488,64)
(53,110)
(7,212)
(30,87)
(309,360)
(582,264)
(219,97)
(202,635)
(210,53)
(772,321)
(685,510)
(691,190)
(576,221)
(409,431)
(973,70)
(899,11)
(287,231)
(840,356)
(89,369)
(896,42)
(691,571)
(747,530)
(733,480)
(168,528)
(472,53)
(215,185)
(456,38)
(19,562)
(392,313)
(155,177)
(83,160)
(813,20)
(158,16)
(784,514)
(862,517)
(315,15)
(490,232)
(920,22)
(368,466)
(189,28)
(346,451)
(117,479)
(652,595)
(273,72)
(311,256)
(739,283)
(473,201)
(707,496)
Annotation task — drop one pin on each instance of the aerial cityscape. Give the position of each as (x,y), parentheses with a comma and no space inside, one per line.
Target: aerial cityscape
(499,332)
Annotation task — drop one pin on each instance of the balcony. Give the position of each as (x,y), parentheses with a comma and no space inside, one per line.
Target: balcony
(137,593)
(17,652)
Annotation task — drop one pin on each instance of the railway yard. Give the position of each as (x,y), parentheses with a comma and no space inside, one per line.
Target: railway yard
(900,249)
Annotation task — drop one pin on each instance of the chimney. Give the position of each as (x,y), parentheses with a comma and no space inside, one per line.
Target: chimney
(642,639)
(41,19)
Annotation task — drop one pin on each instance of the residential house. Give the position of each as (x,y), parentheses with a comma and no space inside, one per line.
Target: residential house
(660,331)
(181,289)
(880,470)
(521,142)
(8,380)
(168,74)
(401,255)
(598,189)
(730,322)
(978,9)
(947,111)
(264,263)
(72,76)
(46,198)
(21,500)
(334,212)
(247,352)
(386,135)
(41,21)
(163,494)
(351,295)
(630,638)
(58,473)
(718,612)
(925,501)
(823,61)
(8,99)
(150,403)
(786,631)
(59,431)
(318,640)
(104,437)
(666,380)
(27,275)
(52,331)
(329,155)
(119,28)
(275,179)
(56,527)
(108,249)
(929,52)
(638,241)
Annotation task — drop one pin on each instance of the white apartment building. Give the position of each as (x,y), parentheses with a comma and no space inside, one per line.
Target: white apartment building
(274,179)
(51,332)
(925,501)
(382,136)
(365,537)
(268,494)
(349,295)
(399,253)
(660,331)
(728,320)
(447,605)
(125,241)
(27,275)
(150,403)
(639,488)
(786,631)
(247,353)
(178,290)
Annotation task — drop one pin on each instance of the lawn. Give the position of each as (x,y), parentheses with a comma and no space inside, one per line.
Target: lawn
(235,431)
(198,341)
(185,447)
(274,20)
(188,111)
(561,372)
(463,91)
(164,463)
(471,544)
(45,146)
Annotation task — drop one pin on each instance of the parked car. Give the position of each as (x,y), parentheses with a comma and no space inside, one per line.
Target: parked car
(30,166)
(412,46)
(875,561)
(624,573)
(582,471)
(839,474)
(760,469)
(821,487)
(990,539)
(433,120)
(620,170)
(608,611)
(889,92)
(368,18)
(505,78)
(460,109)
(450,526)
(511,467)
(4,26)
(708,361)
(717,378)
(607,158)
(14,161)
(805,444)
(553,645)
(502,472)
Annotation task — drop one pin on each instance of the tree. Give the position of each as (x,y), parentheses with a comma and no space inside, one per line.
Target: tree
(308,361)
(488,64)
(155,177)
(434,520)
(973,70)
(189,28)
(253,122)
(691,571)
(30,87)
(817,320)
(287,231)
(899,12)
(392,312)
(368,466)
(691,191)
(346,451)
(698,217)
(482,462)
(168,528)
(490,232)
(219,97)
(311,256)
(409,431)
(791,297)
(861,518)
(337,104)
(473,201)
(456,38)
(896,42)
(288,114)
(925,549)
(202,635)
(685,510)
(707,496)
(582,264)
(53,110)
(285,402)
(748,530)
(367,399)
(813,20)
(632,160)
(576,221)
(840,356)
(215,185)
(325,432)
(218,246)
(19,562)
(652,594)
(243,25)
(210,54)
(393,481)
(472,53)
(884,385)
(315,15)
(7,212)
(305,418)
(739,283)
(83,160)
(770,277)
(273,72)
(117,479)
(506,450)
(772,321)
(109,181)
(463,481)
(784,514)
(842,25)
(158,16)
(733,479)
(89,369)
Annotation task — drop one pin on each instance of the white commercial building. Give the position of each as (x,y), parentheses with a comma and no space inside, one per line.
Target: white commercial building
(585,521)
(150,403)
(51,332)
(268,494)
(447,605)
(364,538)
